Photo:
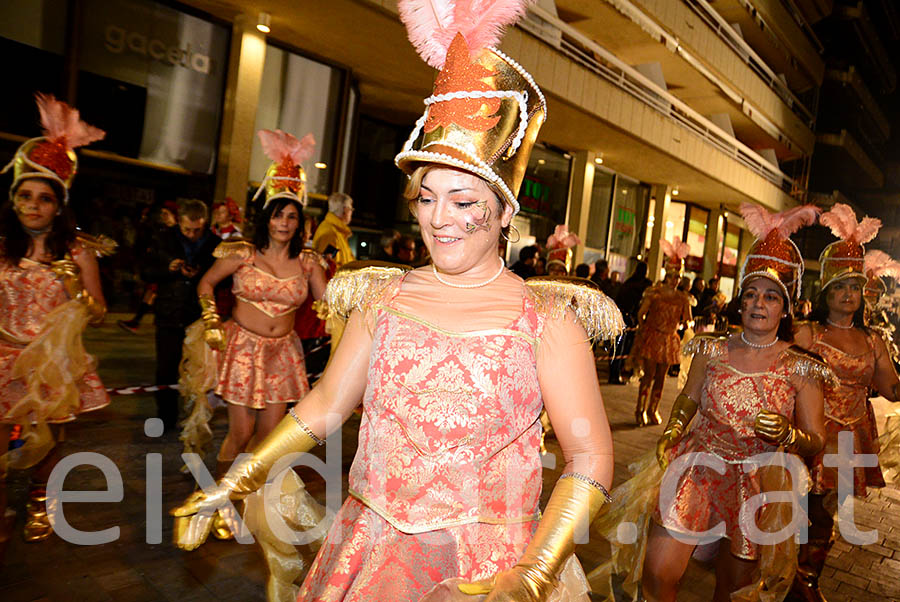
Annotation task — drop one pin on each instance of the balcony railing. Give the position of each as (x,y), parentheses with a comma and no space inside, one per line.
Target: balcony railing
(600,61)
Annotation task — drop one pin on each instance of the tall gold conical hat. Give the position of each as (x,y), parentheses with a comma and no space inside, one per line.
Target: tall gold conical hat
(843,258)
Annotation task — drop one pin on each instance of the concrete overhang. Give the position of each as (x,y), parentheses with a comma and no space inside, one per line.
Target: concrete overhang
(368,38)
(840,162)
(602,22)
(777,38)
(852,94)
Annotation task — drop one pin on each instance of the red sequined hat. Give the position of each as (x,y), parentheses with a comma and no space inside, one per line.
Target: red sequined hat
(843,259)
(485,112)
(52,156)
(774,255)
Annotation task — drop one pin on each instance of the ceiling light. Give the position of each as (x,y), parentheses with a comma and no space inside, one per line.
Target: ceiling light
(541,161)
(675,191)
(320,165)
(264,22)
(599,159)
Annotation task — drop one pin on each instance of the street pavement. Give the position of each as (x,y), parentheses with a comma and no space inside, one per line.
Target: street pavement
(131,569)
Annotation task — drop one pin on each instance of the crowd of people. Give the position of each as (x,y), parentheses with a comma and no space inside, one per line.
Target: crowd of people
(453,362)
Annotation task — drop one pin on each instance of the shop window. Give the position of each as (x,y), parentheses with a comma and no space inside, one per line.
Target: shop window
(629,213)
(153,77)
(300,96)
(696,239)
(544,194)
(32,38)
(598,218)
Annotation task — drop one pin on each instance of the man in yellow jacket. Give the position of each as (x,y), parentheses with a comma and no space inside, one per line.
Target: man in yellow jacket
(334,231)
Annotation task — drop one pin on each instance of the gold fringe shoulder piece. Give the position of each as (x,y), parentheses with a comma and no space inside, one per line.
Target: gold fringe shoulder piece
(309,253)
(807,364)
(357,284)
(710,344)
(597,313)
(101,246)
(234,248)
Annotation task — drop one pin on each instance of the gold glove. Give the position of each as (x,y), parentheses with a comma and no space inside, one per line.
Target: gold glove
(193,519)
(214,332)
(682,412)
(777,429)
(573,505)
(70,274)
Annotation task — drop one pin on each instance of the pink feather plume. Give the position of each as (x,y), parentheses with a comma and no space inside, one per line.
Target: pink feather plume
(482,21)
(878,263)
(61,122)
(761,222)
(283,147)
(676,248)
(429,24)
(562,238)
(842,221)
(432,24)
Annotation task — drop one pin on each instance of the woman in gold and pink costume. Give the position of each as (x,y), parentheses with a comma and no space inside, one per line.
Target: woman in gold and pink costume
(860,359)
(453,363)
(746,394)
(259,363)
(657,345)
(49,291)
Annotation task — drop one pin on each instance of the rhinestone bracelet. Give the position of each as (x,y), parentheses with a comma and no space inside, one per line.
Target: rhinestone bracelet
(305,428)
(589,481)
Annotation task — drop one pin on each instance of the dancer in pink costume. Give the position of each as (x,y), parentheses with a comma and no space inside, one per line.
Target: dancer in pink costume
(453,363)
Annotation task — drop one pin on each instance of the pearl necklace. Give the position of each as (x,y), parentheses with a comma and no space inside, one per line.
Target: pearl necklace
(758,345)
(476,285)
(841,326)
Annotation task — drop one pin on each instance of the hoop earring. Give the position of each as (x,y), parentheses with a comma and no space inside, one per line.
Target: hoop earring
(508,239)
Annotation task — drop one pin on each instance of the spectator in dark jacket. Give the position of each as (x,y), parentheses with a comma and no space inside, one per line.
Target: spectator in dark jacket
(628,300)
(182,255)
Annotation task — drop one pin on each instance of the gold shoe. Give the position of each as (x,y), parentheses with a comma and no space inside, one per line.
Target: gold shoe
(37,522)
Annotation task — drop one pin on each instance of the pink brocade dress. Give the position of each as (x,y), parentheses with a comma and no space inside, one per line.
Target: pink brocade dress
(28,292)
(446,481)
(846,409)
(255,370)
(723,426)
(658,337)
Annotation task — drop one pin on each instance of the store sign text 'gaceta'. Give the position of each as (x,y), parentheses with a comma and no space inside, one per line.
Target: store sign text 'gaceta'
(118,40)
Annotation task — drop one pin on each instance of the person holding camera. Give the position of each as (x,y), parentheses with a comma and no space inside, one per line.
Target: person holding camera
(183,254)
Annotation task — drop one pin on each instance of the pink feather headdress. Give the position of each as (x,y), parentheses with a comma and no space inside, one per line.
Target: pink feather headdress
(52,156)
(676,249)
(774,255)
(285,176)
(844,258)
(432,24)
(878,263)
(286,148)
(842,222)
(562,238)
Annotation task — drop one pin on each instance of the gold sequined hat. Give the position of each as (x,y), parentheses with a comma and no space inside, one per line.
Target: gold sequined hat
(52,156)
(773,255)
(485,112)
(843,258)
(285,177)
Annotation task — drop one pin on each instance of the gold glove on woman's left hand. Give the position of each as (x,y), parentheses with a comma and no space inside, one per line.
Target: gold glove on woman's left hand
(777,429)
(193,519)
(573,505)
(70,274)
(214,332)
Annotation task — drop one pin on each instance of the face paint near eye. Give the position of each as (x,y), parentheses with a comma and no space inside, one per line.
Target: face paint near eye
(479,222)
(36,204)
